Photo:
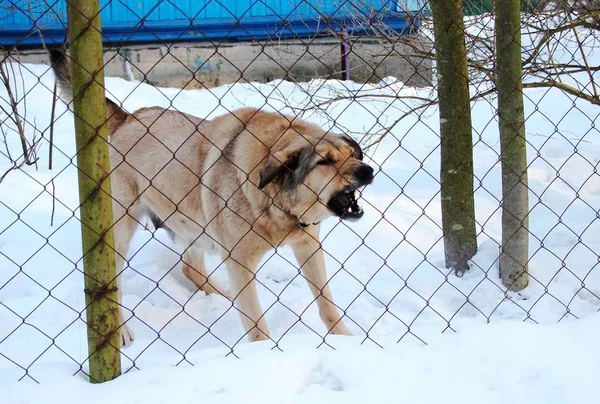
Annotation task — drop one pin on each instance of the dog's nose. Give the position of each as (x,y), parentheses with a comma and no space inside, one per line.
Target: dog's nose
(364,174)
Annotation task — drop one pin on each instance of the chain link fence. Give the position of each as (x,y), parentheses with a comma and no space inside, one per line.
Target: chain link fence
(256,141)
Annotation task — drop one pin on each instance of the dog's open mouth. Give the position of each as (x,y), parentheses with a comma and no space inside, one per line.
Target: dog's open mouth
(344,204)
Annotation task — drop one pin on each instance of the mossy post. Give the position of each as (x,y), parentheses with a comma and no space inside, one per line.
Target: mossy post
(456,168)
(89,107)
(513,151)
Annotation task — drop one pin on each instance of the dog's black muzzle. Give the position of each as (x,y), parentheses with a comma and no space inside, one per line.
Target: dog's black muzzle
(343,203)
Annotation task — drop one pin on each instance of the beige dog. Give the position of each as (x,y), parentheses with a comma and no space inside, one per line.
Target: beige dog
(237,186)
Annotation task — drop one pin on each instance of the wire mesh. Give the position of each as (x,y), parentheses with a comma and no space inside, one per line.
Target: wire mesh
(359,70)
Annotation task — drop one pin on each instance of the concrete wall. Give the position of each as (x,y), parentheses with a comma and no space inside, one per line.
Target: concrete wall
(194,65)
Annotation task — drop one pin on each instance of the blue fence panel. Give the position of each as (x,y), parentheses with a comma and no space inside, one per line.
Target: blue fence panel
(135,21)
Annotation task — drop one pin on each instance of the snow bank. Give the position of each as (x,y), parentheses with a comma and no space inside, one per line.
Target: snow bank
(506,362)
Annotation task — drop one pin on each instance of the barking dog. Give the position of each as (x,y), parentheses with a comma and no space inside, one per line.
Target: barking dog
(238,186)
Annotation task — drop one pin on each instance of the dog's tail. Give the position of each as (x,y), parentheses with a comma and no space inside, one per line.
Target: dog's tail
(115,115)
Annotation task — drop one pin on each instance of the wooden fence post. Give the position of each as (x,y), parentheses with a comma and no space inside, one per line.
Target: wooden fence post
(89,106)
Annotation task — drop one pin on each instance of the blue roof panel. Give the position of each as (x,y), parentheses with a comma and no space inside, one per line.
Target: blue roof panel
(139,21)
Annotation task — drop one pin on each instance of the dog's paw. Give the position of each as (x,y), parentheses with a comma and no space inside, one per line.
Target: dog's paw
(340,329)
(127,336)
(258,335)
(211,290)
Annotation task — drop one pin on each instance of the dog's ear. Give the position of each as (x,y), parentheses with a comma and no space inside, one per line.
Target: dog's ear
(277,165)
(352,143)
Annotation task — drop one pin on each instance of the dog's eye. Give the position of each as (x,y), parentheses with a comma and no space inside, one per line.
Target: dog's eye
(324,162)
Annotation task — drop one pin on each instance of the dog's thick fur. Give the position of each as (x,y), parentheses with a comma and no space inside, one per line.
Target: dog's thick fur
(238,185)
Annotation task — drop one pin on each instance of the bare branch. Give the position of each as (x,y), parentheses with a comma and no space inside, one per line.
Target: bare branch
(566,88)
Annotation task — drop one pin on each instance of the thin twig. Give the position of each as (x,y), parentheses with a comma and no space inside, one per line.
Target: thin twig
(14,113)
(15,166)
(52,114)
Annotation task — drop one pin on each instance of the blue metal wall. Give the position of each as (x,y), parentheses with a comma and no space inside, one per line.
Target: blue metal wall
(136,21)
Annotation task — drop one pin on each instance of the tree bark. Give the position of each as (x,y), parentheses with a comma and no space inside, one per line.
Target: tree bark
(89,106)
(515,204)
(456,171)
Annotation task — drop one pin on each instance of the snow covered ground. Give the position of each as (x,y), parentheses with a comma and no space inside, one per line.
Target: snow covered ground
(502,363)
(387,271)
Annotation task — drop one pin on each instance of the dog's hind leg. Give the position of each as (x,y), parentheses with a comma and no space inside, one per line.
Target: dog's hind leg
(126,223)
(195,270)
(310,257)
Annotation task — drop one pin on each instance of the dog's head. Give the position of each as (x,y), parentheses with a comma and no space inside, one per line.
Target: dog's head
(314,175)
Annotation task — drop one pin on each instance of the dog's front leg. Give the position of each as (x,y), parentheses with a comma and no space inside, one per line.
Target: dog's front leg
(242,275)
(310,257)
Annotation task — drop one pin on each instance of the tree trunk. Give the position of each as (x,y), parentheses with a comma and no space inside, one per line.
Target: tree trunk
(515,204)
(456,171)
(89,106)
